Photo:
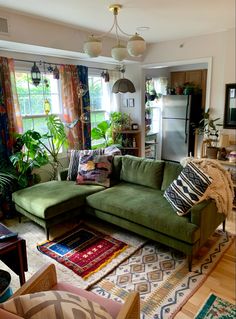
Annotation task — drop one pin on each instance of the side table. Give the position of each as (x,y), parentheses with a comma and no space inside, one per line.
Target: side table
(13,254)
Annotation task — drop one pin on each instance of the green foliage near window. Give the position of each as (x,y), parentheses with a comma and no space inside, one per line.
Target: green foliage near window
(120,121)
(36,150)
(102,131)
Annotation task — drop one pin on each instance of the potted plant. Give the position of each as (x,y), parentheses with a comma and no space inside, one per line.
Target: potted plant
(209,128)
(120,121)
(34,150)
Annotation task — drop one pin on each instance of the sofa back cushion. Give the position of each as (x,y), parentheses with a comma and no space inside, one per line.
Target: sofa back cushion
(171,172)
(142,171)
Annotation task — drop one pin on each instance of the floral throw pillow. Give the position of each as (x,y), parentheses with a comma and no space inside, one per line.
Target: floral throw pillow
(94,169)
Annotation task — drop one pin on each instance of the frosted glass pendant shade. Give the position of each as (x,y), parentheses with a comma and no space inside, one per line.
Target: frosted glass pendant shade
(93,47)
(136,45)
(119,52)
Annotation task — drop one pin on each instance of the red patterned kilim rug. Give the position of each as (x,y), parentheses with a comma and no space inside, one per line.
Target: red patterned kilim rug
(83,250)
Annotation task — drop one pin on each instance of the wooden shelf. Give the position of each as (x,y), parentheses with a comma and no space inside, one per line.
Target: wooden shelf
(127,137)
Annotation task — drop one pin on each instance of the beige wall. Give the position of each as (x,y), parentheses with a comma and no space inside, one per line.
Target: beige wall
(219,46)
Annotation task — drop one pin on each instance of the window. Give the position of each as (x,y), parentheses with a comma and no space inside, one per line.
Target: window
(31,100)
(99,99)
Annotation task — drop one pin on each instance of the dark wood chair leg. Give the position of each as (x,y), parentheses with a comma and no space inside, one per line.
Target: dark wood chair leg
(190,259)
(223,224)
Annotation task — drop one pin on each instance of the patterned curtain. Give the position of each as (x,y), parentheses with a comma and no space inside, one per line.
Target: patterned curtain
(85,106)
(10,118)
(73,111)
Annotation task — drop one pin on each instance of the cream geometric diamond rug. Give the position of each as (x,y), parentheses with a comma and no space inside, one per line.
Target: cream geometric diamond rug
(161,276)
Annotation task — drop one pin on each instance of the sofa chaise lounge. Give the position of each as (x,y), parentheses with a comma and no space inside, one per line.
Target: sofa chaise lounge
(135,202)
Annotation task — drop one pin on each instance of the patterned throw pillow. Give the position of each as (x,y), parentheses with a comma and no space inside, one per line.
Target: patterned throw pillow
(95,169)
(74,161)
(187,189)
(54,305)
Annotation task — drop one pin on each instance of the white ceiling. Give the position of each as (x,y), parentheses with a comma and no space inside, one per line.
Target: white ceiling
(166,19)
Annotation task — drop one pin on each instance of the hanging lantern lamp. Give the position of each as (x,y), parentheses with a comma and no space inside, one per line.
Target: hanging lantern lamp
(35,75)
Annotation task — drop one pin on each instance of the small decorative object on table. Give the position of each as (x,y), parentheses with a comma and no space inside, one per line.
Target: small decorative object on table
(135,126)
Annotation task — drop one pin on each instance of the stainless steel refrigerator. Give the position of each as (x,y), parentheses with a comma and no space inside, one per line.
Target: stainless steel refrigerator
(179,113)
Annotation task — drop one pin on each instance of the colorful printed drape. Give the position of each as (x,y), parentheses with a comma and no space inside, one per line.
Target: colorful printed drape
(85,106)
(10,119)
(73,110)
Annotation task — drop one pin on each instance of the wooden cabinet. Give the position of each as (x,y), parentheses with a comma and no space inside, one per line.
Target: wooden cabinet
(197,77)
(130,141)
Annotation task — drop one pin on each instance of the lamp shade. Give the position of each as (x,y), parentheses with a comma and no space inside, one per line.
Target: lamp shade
(119,52)
(123,86)
(93,47)
(136,45)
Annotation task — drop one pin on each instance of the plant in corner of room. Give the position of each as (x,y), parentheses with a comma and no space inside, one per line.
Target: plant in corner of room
(34,150)
(120,121)
(209,129)
(102,131)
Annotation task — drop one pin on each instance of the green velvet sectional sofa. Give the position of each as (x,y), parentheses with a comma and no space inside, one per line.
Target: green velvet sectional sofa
(135,202)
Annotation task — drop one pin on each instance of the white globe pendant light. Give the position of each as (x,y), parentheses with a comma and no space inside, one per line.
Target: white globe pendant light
(136,45)
(93,47)
(119,52)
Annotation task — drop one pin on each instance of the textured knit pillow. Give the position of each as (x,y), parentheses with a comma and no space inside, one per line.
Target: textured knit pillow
(187,189)
(55,305)
(95,169)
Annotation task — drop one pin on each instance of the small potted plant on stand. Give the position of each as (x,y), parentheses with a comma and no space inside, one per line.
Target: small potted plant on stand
(209,128)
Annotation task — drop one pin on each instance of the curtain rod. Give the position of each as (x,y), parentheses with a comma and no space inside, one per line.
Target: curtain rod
(45,62)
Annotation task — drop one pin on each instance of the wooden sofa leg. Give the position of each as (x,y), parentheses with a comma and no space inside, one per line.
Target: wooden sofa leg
(223,226)
(47,233)
(19,217)
(190,259)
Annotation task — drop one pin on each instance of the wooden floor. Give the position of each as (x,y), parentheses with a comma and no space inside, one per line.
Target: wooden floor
(221,282)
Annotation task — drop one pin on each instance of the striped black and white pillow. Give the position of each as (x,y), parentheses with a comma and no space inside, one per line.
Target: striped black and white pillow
(187,189)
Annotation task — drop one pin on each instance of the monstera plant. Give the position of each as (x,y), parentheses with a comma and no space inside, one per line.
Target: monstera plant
(34,150)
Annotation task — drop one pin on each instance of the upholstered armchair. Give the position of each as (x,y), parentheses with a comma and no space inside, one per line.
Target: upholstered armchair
(44,284)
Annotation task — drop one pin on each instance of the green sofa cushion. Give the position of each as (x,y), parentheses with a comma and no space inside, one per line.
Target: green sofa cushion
(171,172)
(142,171)
(49,199)
(144,206)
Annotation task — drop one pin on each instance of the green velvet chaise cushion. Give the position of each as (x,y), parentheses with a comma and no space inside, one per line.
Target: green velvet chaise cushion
(144,206)
(46,200)
(142,171)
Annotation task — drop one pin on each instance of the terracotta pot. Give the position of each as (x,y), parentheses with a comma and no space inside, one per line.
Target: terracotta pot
(211,152)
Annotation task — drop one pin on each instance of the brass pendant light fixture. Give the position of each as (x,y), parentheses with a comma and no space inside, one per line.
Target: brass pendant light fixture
(135,46)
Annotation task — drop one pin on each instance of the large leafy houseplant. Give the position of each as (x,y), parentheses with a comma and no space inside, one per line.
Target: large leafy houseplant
(209,128)
(35,150)
(102,132)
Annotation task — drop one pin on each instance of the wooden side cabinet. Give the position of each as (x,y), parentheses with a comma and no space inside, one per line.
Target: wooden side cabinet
(129,141)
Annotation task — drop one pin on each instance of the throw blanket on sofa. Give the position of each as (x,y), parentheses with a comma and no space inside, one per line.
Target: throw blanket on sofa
(221,188)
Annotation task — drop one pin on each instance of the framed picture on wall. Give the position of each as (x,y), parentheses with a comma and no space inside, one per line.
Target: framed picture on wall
(230,106)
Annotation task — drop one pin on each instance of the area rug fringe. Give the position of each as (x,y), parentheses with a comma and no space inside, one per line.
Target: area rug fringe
(106,262)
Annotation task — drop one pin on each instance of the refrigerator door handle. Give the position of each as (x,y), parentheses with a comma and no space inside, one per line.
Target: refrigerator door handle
(186,121)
